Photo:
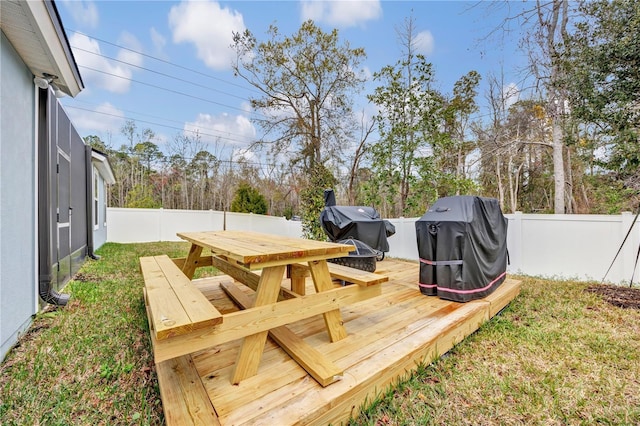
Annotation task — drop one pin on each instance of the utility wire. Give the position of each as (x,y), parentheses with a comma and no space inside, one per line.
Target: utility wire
(195,132)
(162,60)
(154,117)
(155,86)
(475,116)
(159,73)
(231,163)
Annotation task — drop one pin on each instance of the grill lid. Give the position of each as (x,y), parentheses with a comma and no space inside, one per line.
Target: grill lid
(362,249)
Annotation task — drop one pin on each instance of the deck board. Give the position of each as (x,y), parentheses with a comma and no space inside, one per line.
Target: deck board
(387,336)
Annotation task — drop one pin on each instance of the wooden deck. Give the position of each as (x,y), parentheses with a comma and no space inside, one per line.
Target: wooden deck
(387,336)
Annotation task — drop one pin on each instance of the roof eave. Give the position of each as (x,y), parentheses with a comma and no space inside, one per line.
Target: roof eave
(46,21)
(101,163)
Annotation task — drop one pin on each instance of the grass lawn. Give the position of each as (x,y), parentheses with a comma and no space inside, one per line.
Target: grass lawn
(556,355)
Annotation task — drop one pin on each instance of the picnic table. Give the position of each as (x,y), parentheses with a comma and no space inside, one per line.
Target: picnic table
(239,254)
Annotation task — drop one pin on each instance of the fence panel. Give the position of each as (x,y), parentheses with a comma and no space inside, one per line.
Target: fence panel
(552,246)
(574,246)
(174,221)
(403,243)
(580,247)
(133,225)
(260,223)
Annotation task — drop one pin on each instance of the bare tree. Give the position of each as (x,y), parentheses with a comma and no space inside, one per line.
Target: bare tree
(544,25)
(547,51)
(366,129)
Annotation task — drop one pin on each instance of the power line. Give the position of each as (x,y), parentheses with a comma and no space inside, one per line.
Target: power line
(162,60)
(477,116)
(164,88)
(230,163)
(159,73)
(155,86)
(155,117)
(195,132)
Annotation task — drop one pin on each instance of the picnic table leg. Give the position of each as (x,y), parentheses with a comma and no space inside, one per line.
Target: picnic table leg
(298,276)
(252,347)
(190,264)
(322,282)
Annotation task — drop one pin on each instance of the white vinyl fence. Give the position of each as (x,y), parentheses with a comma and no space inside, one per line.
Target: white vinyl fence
(147,225)
(553,246)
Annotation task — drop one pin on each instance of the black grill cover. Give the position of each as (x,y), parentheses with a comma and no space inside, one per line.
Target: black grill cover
(358,222)
(462,244)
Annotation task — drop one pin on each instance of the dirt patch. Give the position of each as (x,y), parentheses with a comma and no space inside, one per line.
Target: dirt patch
(84,277)
(623,297)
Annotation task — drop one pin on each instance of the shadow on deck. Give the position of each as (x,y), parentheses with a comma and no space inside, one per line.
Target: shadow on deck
(388,336)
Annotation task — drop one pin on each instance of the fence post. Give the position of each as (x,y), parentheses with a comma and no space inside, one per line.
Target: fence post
(515,251)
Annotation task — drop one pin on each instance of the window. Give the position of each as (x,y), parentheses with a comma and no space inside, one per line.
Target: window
(96,198)
(104,204)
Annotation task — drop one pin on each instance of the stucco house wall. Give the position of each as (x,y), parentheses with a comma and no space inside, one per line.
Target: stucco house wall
(18,162)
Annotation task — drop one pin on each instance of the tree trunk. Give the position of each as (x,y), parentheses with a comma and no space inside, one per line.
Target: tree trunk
(558,168)
(499,184)
(553,29)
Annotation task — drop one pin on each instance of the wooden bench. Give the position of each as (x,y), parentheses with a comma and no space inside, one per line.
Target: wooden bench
(300,271)
(174,305)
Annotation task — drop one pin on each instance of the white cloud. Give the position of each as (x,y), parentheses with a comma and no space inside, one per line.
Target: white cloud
(129,41)
(209,27)
(84,13)
(510,94)
(246,107)
(162,139)
(159,42)
(425,43)
(343,14)
(313,10)
(104,118)
(223,129)
(110,75)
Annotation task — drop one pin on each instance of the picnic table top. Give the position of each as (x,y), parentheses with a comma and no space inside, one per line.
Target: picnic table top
(255,250)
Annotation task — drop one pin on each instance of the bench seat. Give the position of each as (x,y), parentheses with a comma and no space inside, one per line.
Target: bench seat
(339,272)
(174,305)
(355,276)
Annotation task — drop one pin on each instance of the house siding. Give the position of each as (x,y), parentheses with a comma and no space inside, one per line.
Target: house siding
(18,237)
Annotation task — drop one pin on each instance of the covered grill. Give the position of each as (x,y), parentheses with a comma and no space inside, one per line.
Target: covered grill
(357,222)
(462,244)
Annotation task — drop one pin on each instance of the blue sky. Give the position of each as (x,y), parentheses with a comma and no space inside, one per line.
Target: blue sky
(166,64)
